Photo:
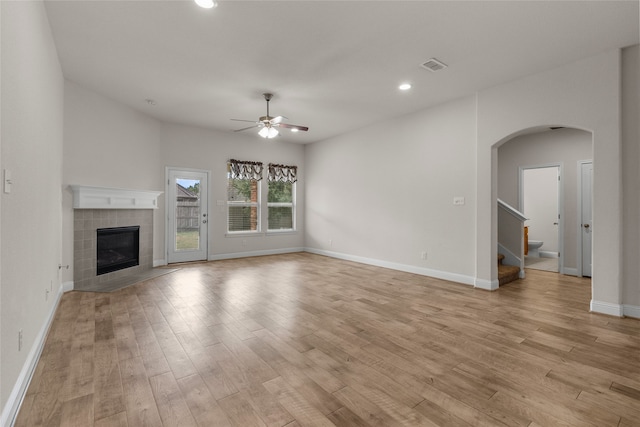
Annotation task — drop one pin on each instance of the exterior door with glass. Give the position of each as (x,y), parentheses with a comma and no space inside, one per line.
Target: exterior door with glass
(187,215)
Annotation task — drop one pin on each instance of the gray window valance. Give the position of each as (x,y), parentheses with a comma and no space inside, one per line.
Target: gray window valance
(239,169)
(283,173)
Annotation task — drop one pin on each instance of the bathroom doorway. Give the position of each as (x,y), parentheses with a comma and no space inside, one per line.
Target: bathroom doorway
(540,200)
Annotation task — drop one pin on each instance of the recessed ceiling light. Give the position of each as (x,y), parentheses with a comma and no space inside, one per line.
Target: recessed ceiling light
(405,86)
(206,4)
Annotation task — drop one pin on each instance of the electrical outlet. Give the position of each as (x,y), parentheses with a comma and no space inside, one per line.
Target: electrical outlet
(458,200)
(20,340)
(423,255)
(46,294)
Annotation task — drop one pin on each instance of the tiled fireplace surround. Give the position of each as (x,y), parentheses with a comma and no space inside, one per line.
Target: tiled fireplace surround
(85,224)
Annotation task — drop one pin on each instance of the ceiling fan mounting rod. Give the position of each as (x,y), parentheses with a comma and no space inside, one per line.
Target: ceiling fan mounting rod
(267,97)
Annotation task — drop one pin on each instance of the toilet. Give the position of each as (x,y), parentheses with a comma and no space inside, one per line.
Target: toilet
(534,248)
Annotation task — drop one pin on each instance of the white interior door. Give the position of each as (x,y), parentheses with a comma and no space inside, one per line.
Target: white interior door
(187,215)
(586,223)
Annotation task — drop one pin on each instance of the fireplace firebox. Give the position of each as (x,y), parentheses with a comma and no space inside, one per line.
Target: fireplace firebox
(118,248)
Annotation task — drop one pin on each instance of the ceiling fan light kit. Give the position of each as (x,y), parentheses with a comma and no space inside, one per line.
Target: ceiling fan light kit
(268,132)
(206,4)
(268,124)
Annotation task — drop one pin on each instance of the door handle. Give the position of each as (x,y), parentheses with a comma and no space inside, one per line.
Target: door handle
(585,225)
(204,221)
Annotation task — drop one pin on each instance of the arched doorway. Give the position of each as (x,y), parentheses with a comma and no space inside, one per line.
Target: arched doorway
(545,155)
(584,95)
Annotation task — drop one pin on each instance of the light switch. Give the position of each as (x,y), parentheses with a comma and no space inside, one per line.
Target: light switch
(7,181)
(458,201)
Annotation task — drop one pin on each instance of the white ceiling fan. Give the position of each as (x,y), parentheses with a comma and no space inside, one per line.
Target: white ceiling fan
(268,125)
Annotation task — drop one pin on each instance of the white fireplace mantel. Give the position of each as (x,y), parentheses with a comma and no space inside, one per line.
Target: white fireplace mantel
(113,198)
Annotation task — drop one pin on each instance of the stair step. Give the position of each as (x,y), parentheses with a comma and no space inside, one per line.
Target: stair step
(507,274)
(500,258)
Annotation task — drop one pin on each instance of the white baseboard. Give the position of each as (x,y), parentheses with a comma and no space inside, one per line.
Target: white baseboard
(233,255)
(607,308)
(159,262)
(444,275)
(11,408)
(570,271)
(67,286)
(548,254)
(487,285)
(631,311)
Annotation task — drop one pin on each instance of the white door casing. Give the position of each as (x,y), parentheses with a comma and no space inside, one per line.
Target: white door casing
(585,181)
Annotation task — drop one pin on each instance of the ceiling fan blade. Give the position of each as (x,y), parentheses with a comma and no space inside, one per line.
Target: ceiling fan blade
(240,120)
(250,127)
(288,126)
(277,120)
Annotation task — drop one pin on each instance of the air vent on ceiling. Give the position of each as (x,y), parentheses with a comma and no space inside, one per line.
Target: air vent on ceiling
(434,65)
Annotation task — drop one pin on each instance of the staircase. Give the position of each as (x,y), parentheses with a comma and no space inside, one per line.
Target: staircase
(507,273)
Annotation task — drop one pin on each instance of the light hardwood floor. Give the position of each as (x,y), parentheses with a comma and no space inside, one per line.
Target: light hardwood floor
(301,339)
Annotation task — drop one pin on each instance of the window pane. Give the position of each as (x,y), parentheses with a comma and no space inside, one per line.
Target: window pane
(243,218)
(280,192)
(187,215)
(243,197)
(280,218)
(242,190)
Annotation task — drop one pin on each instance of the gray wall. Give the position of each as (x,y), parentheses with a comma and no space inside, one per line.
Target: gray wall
(385,193)
(631,174)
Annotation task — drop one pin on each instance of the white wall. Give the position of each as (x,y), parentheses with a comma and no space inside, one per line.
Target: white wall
(565,146)
(107,144)
(631,175)
(32,130)
(195,148)
(584,95)
(385,193)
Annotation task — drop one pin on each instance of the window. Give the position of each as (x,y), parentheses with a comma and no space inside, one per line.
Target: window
(281,197)
(243,196)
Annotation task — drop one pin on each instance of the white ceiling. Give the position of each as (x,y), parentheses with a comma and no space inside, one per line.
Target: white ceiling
(332,65)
